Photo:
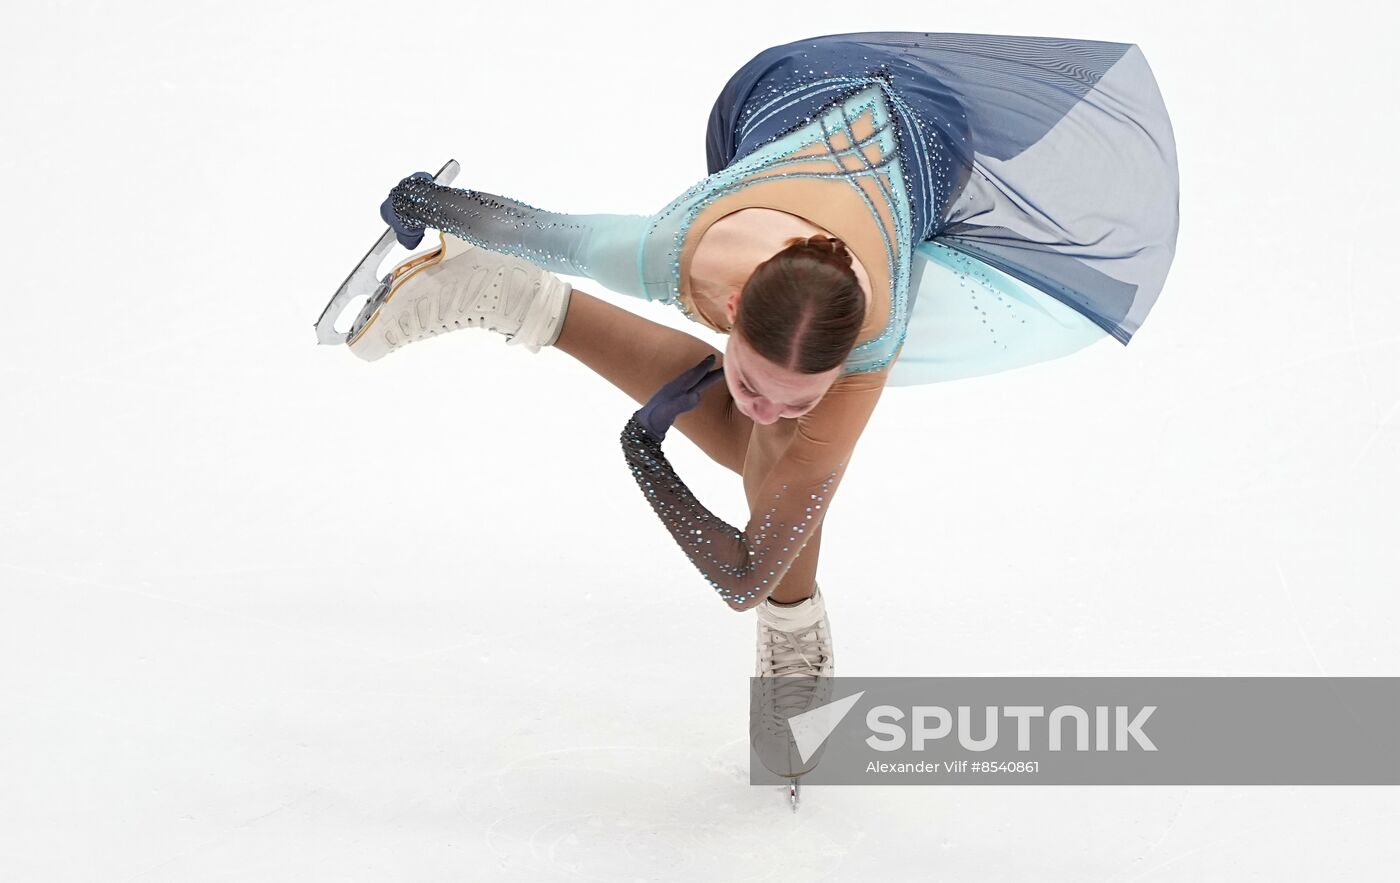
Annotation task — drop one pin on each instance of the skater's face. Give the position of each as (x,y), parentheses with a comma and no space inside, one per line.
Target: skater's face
(766,392)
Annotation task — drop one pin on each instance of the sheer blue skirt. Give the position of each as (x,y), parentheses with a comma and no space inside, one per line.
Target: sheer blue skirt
(1043,191)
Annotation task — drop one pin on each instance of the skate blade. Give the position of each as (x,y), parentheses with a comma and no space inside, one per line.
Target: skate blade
(363,281)
(390,286)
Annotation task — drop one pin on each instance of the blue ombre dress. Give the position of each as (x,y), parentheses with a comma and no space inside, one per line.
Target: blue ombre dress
(1014,199)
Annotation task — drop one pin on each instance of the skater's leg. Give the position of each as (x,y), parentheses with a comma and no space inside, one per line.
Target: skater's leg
(639,356)
(766,447)
(800,582)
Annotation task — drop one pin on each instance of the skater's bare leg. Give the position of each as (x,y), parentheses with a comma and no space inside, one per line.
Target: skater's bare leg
(639,356)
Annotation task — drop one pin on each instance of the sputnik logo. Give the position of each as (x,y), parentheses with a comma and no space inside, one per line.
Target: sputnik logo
(811,728)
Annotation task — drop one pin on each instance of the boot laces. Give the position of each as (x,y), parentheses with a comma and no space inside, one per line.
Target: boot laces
(800,657)
(796,653)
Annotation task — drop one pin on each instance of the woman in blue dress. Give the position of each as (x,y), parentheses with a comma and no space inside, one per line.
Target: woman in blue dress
(880,209)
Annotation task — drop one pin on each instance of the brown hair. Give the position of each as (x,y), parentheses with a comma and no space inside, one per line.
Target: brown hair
(803,307)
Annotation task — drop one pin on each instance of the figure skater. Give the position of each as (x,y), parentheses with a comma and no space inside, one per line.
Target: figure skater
(880,209)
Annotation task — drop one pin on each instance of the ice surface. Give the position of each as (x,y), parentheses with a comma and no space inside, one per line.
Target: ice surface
(271,613)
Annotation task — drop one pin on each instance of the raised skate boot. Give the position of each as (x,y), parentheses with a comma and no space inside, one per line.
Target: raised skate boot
(795,664)
(459,285)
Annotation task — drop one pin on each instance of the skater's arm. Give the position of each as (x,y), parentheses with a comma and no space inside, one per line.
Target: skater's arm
(601,247)
(745,566)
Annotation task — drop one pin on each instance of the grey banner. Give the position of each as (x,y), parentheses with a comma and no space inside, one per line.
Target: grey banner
(1075,731)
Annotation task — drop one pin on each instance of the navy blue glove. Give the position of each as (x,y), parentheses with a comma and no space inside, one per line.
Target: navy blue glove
(677,397)
(408,237)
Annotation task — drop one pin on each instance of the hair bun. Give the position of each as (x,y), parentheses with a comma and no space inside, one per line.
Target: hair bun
(827,245)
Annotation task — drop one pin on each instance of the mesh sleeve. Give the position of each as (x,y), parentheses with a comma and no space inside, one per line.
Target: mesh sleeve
(746,566)
(602,247)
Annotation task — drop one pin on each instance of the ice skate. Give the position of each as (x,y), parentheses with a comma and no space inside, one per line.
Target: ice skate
(795,664)
(459,285)
(456,285)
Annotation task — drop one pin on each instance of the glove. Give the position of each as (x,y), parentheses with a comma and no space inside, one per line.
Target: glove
(408,237)
(677,397)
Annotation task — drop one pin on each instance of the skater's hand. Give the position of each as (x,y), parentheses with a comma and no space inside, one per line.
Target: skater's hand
(677,397)
(408,237)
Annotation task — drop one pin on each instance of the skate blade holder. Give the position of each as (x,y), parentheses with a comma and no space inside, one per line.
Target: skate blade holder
(364,281)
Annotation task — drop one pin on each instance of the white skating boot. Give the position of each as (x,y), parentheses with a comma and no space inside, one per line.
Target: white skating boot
(460,285)
(795,663)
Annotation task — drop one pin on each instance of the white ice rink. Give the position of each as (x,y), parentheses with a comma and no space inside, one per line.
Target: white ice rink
(271,613)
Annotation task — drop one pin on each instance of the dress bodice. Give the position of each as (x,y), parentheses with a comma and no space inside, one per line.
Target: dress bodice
(840,171)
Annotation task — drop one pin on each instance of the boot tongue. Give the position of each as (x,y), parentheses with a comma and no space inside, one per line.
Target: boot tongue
(794,618)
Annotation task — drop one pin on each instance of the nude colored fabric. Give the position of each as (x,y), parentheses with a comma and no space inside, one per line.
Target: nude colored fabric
(832,203)
(787,503)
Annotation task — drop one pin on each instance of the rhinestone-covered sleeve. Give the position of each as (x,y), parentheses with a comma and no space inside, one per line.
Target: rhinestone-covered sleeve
(602,247)
(745,566)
